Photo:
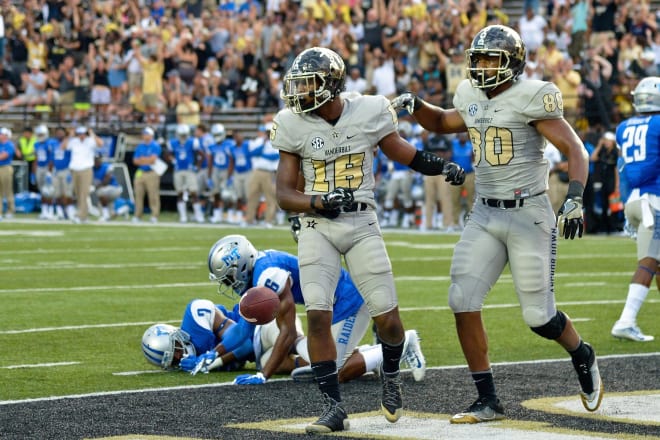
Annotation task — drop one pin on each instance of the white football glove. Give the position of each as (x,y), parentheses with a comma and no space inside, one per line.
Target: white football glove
(407,100)
(569,218)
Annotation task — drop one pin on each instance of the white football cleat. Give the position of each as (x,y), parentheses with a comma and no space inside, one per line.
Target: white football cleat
(413,356)
(633,333)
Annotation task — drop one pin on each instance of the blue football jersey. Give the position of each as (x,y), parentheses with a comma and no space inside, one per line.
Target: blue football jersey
(44,151)
(242,158)
(639,140)
(198,323)
(273,268)
(221,154)
(185,153)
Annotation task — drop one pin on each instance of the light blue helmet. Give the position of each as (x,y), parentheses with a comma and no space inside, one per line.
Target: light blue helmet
(160,341)
(231,260)
(646,96)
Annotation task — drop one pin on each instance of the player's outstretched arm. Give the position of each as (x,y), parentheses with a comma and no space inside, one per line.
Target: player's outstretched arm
(429,116)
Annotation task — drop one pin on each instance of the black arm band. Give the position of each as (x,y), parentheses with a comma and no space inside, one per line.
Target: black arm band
(427,163)
(575,189)
(417,103)
(312,202)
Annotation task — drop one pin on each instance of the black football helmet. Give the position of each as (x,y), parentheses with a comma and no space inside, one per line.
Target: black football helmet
(496,41)
(316,76)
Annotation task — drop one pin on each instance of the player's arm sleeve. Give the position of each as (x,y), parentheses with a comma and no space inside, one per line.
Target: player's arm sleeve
(238,335)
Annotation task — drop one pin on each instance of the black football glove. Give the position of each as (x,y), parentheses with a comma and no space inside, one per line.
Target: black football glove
(337,199)
(569,218)
(454,172)
(295,227)
(407,100)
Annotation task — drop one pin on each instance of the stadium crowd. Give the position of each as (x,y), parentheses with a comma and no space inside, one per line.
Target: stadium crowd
(160,62)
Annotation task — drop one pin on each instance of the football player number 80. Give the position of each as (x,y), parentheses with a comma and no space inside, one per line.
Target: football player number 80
(496,145)
(347,173)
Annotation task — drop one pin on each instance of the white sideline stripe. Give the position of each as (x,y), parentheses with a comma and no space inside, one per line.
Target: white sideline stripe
(87,288)
(223,384)
(190,248)
(80,327)
(75,266)
(402,309)
(504,277)
(50,364)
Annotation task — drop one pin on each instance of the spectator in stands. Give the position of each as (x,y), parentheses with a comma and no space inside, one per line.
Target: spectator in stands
(7,152)
(101,94)
(188,110)
(82,83)
(215,88)
(433,201)
(117,78)
(580,15)
(185,58)
(532,27)
(67,86)
(18,53)
(606,179)
(34,92)
(36,46)
(82,142)
(248,93)
(152,82)
(146,180)
(355,82)
(265,159)
(7,79)
(106,187)
(597,91)
(568,80)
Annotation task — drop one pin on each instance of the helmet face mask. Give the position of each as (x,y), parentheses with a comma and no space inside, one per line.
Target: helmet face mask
(495,57)
(230,262)
(646,96)
(161,343)
(317,76)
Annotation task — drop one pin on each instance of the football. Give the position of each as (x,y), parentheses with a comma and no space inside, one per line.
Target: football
(259,305)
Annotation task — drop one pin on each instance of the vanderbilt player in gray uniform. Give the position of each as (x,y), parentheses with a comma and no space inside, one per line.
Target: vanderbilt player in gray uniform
(512,220)
(331,138)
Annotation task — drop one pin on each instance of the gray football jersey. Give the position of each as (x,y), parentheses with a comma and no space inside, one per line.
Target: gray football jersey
(339,155)
(508,151)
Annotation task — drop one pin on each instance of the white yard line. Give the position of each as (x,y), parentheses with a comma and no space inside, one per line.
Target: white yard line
(402,309)
(50,364)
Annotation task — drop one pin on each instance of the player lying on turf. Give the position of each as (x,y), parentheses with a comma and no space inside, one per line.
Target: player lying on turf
(237,266)
(212,337)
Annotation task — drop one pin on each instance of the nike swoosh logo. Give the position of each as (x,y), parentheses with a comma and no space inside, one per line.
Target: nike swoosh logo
(498,110)
(351,137)
(538,223)
(372,223)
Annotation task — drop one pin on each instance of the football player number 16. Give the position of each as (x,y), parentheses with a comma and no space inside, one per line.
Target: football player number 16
(346,172)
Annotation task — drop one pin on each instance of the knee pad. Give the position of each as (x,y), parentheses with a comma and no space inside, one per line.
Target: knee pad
(553,328)
(456,299)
